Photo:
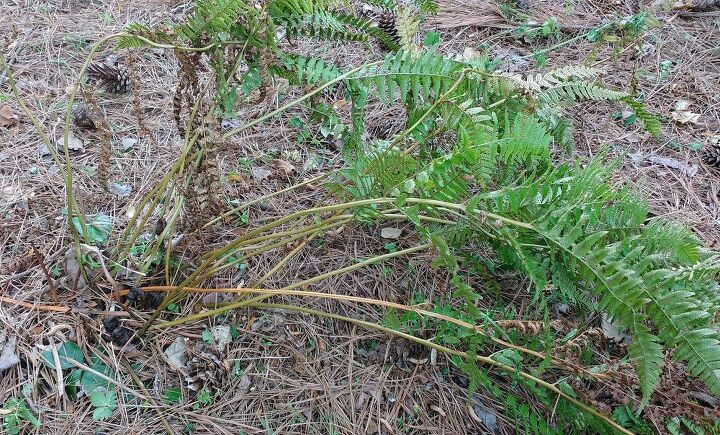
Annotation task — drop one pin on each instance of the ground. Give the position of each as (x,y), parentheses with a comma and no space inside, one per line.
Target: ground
(286,372)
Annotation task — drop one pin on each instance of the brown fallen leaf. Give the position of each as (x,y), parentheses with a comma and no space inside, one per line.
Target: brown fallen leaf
(284,167)
(682,115)
(8,118)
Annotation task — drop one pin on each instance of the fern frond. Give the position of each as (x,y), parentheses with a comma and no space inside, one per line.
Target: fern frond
(646,354)
(650,121)
(427,76)
(527,139)
(213,17)
(309,70)
(580,91)
(701,349)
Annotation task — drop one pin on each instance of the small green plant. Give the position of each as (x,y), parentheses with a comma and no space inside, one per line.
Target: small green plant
(104,402)
(172,396)
(15,415)
(204,398)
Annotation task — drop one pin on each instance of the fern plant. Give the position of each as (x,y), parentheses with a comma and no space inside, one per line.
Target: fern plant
(575,223)
(472,170)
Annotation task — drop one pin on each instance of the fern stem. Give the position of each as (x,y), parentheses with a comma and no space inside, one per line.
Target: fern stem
(298,284)
(270,292)
(427,113)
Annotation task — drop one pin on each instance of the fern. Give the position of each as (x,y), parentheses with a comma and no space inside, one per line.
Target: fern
(646,353)
(212,18)
(650,121)
(427,75)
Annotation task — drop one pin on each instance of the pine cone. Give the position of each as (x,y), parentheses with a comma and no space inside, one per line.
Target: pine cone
(205,368)
(81,118)
(386,21)
(711,156)
(113,79)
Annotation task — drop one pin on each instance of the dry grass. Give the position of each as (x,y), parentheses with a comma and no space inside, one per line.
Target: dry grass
(300,374)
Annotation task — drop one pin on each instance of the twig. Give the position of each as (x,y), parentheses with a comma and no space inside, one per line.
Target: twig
(51,283)
(55,308)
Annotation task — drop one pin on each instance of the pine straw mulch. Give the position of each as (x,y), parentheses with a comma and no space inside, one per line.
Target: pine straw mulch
(298,373)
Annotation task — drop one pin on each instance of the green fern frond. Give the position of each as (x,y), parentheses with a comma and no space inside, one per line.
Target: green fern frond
(316,18)
(309,70)
(212,18)
(427,76)
(427,6)
(650,121)
(701,349)
(579,91)
(526,140)
(646,354)
(131,41)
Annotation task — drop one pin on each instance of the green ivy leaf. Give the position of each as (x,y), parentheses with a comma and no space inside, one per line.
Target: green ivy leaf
(90,381)
(67,350)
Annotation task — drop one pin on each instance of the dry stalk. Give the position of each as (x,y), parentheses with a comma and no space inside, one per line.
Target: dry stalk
(105,134)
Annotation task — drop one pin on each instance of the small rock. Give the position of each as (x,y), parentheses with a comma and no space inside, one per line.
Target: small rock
(121,190)
(127,143)
(390,233)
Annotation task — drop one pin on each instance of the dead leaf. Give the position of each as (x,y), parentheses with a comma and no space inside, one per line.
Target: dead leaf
(8,357)
(686,169)
(121,190)
(612,331)
(390,233)
(74,143)
(175,354)
(8,117)
(470,53)
(260,173)
(244,384)
(222,336)
(71,266)
(682,115)
(284,167)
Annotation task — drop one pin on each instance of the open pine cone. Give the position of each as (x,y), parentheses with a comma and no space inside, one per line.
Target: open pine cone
(711,156)
(81,118)
(386,21)
(205,368)
(113,79)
